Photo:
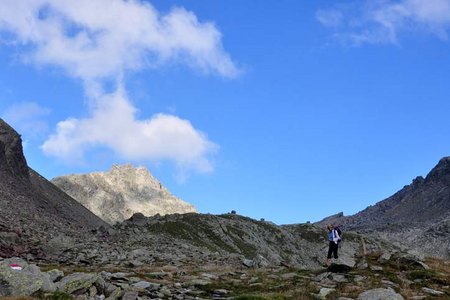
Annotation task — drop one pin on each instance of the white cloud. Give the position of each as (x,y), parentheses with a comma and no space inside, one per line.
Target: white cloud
(28,118)
(329,17)
(94,39)
(100,40)
(383,21)
(113,124)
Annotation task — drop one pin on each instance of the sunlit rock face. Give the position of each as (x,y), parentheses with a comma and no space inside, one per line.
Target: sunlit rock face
(117,194)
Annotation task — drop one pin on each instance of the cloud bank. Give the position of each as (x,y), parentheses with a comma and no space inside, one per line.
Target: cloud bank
(384,21)
(100,40)
(113,124)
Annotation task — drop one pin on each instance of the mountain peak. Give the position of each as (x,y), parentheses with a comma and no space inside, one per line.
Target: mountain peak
(117,194)
(441,172)
(139,177)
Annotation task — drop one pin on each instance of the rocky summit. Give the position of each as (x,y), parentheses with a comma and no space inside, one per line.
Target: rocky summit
(116,195)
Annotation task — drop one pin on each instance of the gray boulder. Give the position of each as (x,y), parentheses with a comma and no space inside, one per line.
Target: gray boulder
(58,245)
(55,275)
(380,294)
(25,281)
(76,281)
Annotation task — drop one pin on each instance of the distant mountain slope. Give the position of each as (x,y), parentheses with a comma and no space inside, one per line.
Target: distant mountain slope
(425,201)
(417,216)
(116,195)
(188,237)
(30,205)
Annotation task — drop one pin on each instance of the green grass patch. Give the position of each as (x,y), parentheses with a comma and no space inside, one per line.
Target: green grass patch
(427,275)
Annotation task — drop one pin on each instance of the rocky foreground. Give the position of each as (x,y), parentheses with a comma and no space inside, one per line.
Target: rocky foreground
(376,276)
(196,256)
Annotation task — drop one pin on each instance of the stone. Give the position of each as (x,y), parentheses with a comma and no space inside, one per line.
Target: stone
(412,261)
(130,295)
(109,289)
(328,283)
(339,278)
(432,292)
(135,263)
(210,276)
(324,292)
(260,261)
(376,268)
(384,258)
(55,275)
(76,281)
(253,280)
(116,294)
(58,244)
(92,291)
(248,263)
(23,282)
(389,283)
(221,292)
(380,294)
(322,276)
(256,284)
(165,291)
(362,264)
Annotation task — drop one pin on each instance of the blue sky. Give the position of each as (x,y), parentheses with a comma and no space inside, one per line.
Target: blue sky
(281,110)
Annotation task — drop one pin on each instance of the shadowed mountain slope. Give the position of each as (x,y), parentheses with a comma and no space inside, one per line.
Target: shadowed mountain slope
(30,206)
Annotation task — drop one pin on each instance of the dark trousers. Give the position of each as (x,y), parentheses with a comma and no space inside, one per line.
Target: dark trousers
(333,249)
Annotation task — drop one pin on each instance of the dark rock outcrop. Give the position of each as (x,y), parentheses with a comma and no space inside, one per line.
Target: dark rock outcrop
(12,161)
(31,208)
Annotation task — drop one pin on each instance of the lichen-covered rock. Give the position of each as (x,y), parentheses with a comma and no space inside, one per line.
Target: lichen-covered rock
(116,294)
(55,275)
(17,277)
(76,281)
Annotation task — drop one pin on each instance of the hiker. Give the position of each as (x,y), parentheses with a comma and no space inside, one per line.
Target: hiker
(334,239)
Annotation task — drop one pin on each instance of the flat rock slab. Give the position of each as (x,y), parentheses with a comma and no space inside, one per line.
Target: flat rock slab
(432,292)
(76,281)
(380,294)
(324,292)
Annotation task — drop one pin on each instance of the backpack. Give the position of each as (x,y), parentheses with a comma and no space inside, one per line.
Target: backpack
(339,232)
